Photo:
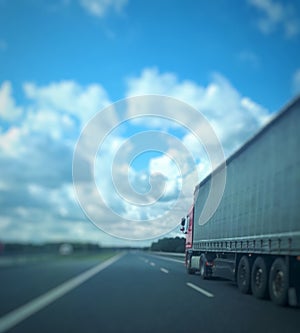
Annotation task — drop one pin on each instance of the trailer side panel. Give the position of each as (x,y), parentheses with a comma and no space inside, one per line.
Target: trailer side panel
(260,208)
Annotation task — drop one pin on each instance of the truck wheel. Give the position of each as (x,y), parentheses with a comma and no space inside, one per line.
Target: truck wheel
(202,267)
(243,275)
(278,282)
(189,265)
(259,278)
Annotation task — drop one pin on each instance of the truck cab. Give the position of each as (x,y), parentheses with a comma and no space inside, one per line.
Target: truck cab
(187,228)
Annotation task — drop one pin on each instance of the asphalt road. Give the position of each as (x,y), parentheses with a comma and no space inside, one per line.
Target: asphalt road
(135,292)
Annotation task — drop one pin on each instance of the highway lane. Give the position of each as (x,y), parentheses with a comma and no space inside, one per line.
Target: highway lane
(20,283)
(145,293)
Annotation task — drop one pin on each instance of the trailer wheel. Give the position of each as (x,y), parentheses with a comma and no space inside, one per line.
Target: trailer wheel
(243,275)
(278,282)
(259,278)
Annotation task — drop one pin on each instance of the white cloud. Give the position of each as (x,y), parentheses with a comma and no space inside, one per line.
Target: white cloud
(8,109)
(276,15)
(151,81)
(36,160)
(10,142)
(69,97)
(233,116)
(164,165)
(193,145)
(136,196)
(36,156)
(100,8)
(296,82)
(199,154)
(46,121)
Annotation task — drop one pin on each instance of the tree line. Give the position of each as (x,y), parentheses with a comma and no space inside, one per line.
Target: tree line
(176,244)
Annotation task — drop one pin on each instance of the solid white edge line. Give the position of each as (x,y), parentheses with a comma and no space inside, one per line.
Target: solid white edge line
(164,270)
(16,316)
(200,290)
(170,259)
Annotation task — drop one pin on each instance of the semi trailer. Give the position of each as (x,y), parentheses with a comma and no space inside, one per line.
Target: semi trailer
(253,237)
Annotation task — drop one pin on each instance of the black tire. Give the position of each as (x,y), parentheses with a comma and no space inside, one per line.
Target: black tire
(244,275)
(202,267)
(189,269)
(259,278)
(278,282)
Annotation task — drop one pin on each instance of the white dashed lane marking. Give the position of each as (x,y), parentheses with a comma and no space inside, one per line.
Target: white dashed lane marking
(200,290)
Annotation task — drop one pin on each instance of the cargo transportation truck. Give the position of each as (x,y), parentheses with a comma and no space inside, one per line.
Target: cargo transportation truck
(253,237)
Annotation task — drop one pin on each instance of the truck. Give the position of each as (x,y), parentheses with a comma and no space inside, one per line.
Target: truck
(253,237)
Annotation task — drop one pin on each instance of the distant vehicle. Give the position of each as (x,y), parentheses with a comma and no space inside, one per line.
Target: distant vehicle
(65,249)
(253,237)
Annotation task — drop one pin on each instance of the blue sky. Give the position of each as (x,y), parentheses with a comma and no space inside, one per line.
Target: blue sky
(61,62)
